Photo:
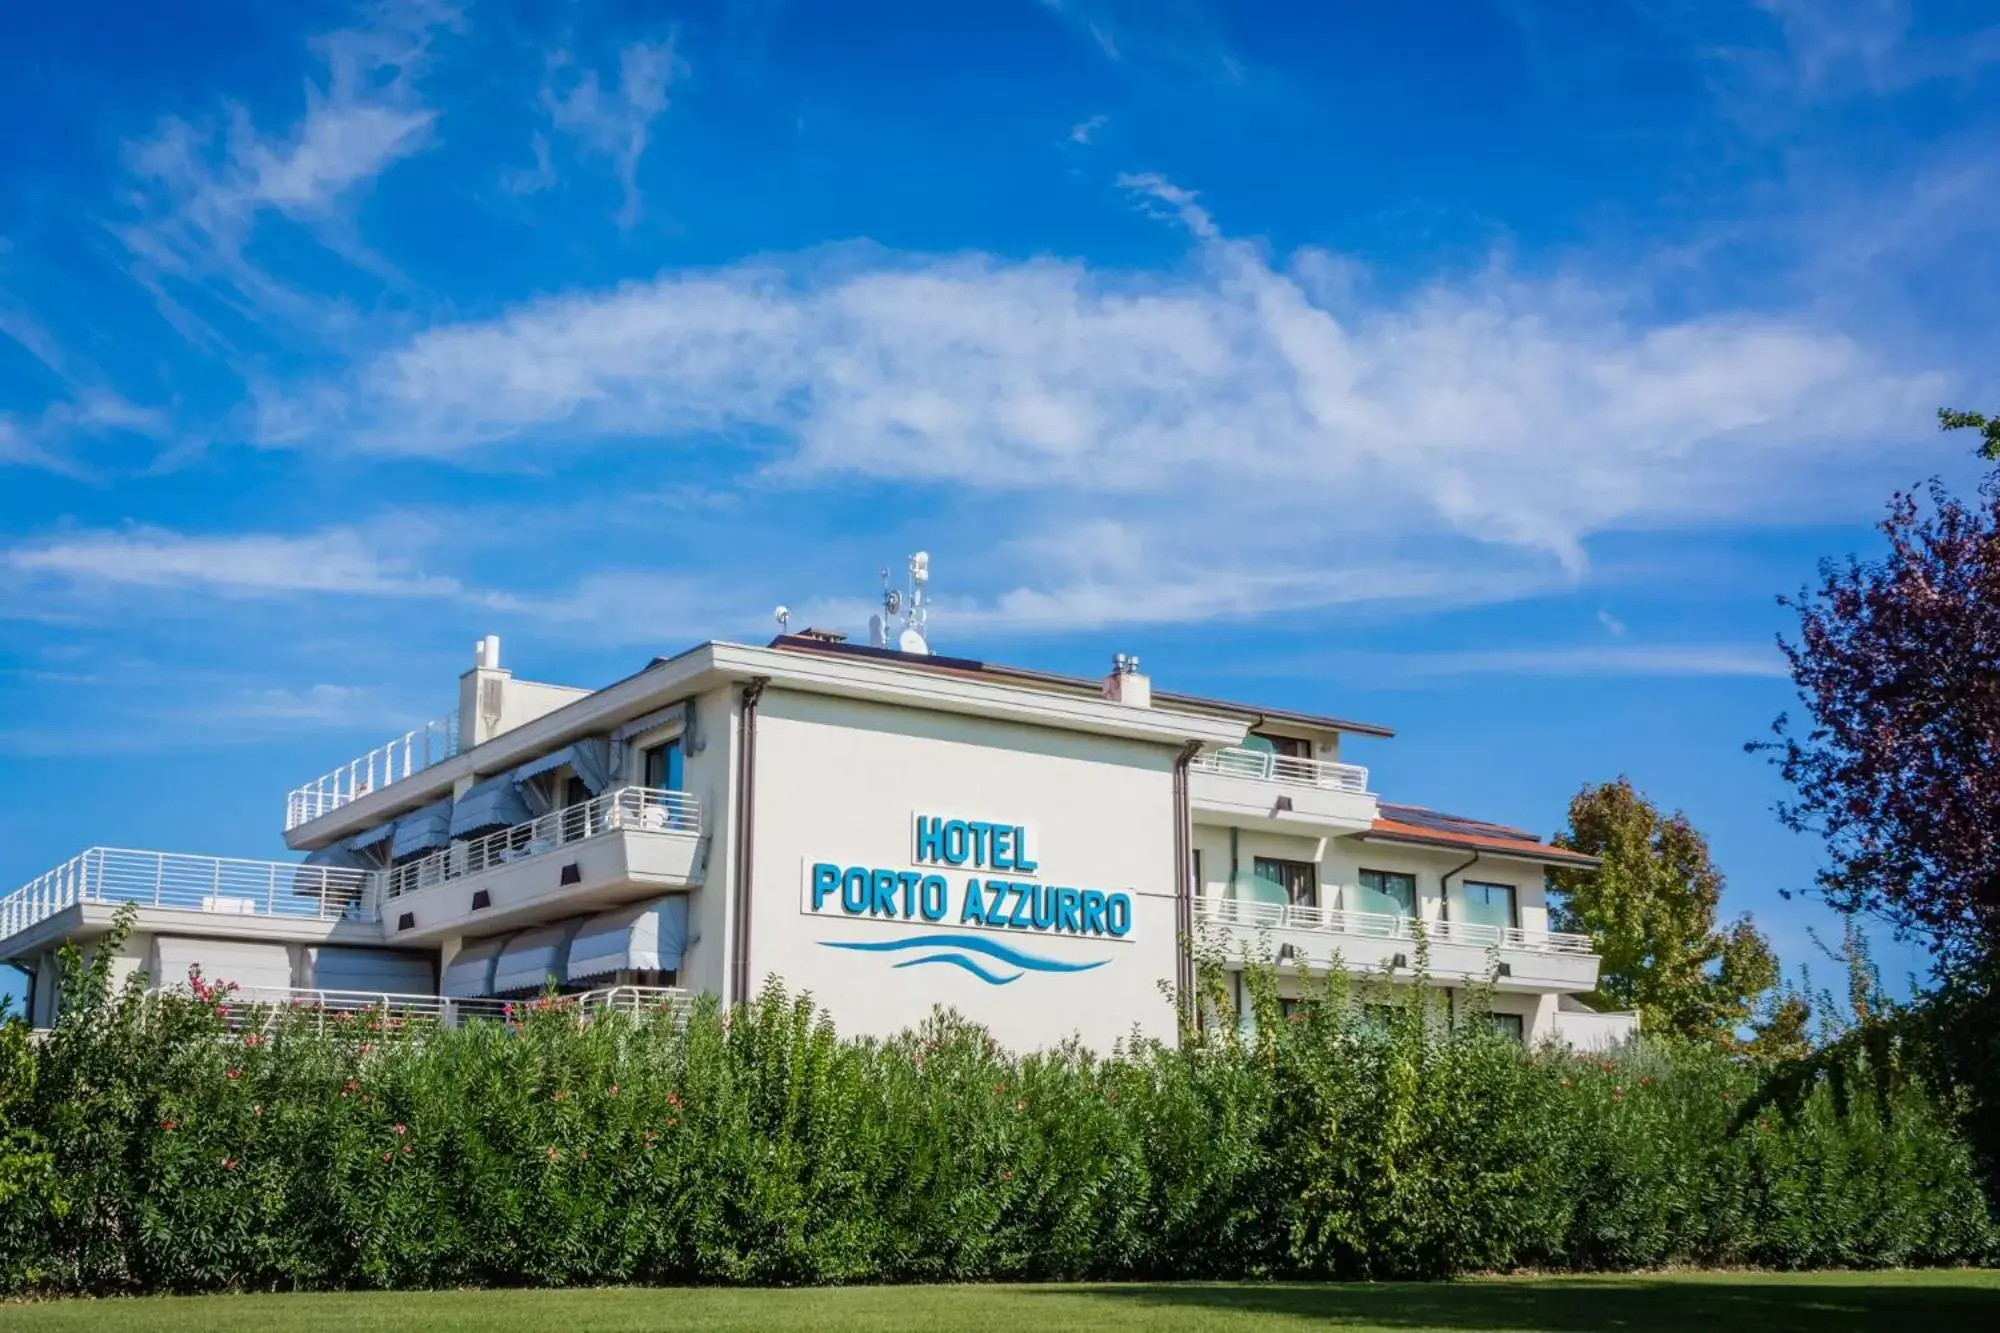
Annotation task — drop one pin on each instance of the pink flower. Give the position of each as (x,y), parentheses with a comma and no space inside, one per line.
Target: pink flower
(552,1153)
(229,1164)
(1020,1106)
(406,1147)
(399,1129)
(611,1091)
(233,1074)
(387,1156)
(167,1125)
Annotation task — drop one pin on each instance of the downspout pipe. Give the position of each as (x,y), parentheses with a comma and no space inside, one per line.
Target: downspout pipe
(1184,882)
(1444,884)
(746,833)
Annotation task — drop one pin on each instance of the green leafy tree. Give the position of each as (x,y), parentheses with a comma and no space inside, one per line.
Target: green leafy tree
(1651,908)
(1988,428)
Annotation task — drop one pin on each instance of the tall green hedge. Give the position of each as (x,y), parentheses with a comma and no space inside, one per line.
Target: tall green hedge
(148,1144)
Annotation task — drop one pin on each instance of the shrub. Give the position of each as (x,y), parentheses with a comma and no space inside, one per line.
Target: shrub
(166,1143)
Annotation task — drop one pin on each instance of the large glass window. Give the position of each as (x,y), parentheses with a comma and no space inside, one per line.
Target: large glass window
(663,766)
(1290,747)
(1389,892)
(1490,905)
(1294,882)
(1513,1026)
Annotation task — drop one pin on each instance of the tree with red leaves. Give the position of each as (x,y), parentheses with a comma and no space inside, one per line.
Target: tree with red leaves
(1898,664)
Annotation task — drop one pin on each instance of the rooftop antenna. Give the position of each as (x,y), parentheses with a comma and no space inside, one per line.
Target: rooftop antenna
(916,608)
(784,615)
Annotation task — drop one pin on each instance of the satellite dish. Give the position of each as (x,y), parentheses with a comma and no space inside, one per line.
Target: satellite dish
(909,641)
(784,615)
(893,600)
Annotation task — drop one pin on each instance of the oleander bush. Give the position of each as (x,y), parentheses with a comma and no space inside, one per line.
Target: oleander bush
(166,1144)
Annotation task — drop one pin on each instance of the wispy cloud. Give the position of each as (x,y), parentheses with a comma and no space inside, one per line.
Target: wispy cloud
(199,192)
(1663,660)
(611,119)
(1085,130)
(336,560)
(1511,412)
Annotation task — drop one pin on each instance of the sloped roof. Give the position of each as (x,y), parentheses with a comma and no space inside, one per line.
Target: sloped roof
(1432,828)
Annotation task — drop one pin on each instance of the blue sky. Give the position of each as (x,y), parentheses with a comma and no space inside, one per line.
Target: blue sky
(1484,369)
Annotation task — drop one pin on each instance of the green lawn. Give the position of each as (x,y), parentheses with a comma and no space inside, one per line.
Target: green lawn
(1708,1303)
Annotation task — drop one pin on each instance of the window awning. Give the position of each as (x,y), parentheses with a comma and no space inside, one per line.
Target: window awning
(253,967)
(423,830)
(376,971)
(547,763)
(361,842)
(470,973)
(532,959)
(590,758)
(646,937)
(494,803)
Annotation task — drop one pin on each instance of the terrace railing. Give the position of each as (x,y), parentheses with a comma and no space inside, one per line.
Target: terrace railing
(627,810)
(412,752)
(222,885)
(1263,765)
(263,1008)
(1260,915)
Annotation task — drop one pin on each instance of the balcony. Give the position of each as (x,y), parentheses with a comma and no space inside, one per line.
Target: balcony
(1252,787)
(284,891)
(262,1009)
(1459,950)
(412,752)
(618,846)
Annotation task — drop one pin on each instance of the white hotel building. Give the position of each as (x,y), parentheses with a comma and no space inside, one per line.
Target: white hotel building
(889,830)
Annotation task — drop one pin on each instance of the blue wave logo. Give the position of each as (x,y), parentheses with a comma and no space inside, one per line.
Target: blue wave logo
(973,953)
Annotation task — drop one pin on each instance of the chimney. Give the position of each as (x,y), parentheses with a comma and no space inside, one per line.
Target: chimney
(482,695)
(1126,684)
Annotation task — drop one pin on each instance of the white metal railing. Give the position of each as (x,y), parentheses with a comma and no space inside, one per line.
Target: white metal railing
(1385,926)
(1237,762)
(628,810)
(412,752)
(264,1007)
(221,885)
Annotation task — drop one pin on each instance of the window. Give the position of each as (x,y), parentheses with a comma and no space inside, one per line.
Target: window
(1293,882)
(1512,1026)
(1291,747)
(663,766)
(1389,892)
(1490,905)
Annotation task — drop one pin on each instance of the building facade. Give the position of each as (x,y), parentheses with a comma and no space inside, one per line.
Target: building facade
(890,831)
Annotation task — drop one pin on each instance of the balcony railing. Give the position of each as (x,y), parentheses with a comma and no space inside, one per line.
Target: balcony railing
(215,884)
(263,1008)
(629,810)
(1384,926)
(1268,767)
(412,752)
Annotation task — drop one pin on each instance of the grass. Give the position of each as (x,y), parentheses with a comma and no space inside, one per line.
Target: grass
(1717,1302)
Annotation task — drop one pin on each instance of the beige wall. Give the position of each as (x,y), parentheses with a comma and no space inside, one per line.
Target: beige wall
(842,782)
(1341,860)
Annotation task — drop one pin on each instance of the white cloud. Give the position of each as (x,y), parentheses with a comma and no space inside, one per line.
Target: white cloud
(199,196)
(1084,130)
(1665,660)
(1612,624)
(1240,399)
(612,121)
(336,560)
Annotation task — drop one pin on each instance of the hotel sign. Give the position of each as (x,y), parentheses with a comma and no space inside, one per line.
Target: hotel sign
(967,873)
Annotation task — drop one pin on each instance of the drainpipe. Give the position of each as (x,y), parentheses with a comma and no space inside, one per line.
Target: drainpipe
(746,828)
(1444,885)
(1184,881)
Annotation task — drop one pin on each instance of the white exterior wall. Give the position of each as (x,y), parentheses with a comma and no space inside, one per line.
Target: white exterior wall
(842,781)
(1341,861)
